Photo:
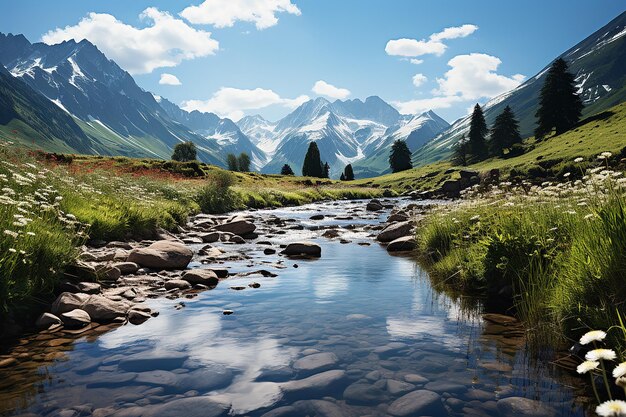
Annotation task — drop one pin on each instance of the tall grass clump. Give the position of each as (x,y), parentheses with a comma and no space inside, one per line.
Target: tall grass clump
(217,195)
(37,237)
(554,254)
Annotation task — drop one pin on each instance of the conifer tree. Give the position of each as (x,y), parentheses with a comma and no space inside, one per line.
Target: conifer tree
(286,170)
(233,164)
(348,172)
(312,166)
(559,105)
(326,170)
(400,157)
(342,177)
(477,140)
(504,132)
(243,162)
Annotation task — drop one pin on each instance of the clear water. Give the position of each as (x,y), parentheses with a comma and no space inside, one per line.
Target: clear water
(377,313)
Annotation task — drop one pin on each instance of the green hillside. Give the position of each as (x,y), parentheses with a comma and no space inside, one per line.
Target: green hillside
(602,132)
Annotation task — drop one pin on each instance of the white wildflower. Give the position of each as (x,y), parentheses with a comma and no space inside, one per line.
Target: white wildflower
(600,354)
(579,159)
(587,366)
(611,408)
(592,336)
(620,370)
(11,233)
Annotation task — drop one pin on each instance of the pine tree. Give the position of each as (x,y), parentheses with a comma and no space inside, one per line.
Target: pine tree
(504,132)
(348,172)
(243,162)
(184,152)
(326,170)
(312,166)
(400,157)
(461,152)
(477,140)
(286,170)
(233,164)
(559,104)
(342,177)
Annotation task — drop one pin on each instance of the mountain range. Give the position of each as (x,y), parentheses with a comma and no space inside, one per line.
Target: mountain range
(71,98)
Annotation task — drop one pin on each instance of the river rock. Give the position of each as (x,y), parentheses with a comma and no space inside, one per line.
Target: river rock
(316,362)
(402,244)
(317,217)
(237,227)
(177,284)
(89,287)
(163,254)
(418,403)
(361,393)
(46,320)
(317,383)
(303,248)
(398,217)
(523,407)
(395,231)
(108,273)
(201,276)
(398,387)
(68,301)
(210,237)
(320,408)
(126,267)
(201,406)
(76,318)
(374,205)
(102,309)
(137,317)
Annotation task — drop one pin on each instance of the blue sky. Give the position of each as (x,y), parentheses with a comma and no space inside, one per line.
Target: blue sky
(251,65)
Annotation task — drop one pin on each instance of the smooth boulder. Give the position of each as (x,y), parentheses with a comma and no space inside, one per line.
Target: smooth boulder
(402,244)
(374,205)
(46,320)
(201,276)
(76,318)
(418,403)
(395,231)
(102,309)
(303,248)
(523,407)
(163,254)
(237,227)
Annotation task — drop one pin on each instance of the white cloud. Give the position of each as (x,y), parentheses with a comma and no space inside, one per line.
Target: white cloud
(419,79)
(454,32)
(416,61)
(412,47)
(166,42)
(232,102)
(322,88)
(474,76)
(422,105)
(470,77)
(433,46)
(169,79)
(224,13)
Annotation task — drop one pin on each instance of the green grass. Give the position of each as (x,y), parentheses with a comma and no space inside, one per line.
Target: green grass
(554,256)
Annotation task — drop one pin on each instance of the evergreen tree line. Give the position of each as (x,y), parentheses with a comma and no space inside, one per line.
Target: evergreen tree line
(559,110)
(239,163)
